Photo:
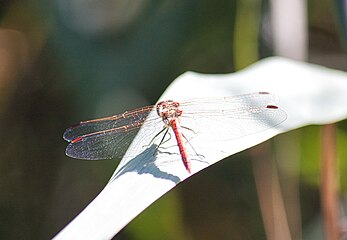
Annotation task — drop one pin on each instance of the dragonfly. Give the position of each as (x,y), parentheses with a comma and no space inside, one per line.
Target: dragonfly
(214,119)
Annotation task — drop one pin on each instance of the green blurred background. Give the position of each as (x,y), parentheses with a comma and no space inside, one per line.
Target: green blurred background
(63,61)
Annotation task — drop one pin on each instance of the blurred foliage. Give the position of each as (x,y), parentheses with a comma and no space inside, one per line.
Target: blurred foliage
(311,155)
(342,156)
(160,221)
(247,29)
(66,60)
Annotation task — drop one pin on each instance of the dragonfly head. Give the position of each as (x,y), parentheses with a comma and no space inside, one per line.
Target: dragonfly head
(168,110)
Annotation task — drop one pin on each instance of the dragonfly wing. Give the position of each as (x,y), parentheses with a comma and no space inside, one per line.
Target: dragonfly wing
(232,117)
(87,127)
(103,145)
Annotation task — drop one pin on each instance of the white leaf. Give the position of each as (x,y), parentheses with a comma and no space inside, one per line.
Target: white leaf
(309,94)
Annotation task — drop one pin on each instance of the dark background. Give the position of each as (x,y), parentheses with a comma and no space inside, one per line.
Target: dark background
(64,61)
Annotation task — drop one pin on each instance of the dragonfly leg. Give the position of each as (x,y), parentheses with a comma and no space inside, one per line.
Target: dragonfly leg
(165,128)
(198,155)
(163,138)
(188,129)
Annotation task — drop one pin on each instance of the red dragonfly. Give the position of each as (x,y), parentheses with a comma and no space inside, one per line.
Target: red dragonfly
(215,118)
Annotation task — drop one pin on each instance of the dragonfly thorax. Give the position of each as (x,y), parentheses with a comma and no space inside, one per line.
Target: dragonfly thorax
(168,110)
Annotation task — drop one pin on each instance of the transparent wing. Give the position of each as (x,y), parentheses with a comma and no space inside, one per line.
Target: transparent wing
(103,145)
(105,138)
(107,123)
(231,117)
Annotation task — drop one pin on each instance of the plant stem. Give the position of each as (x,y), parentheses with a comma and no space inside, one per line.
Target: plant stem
(329,187)
(269,193)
